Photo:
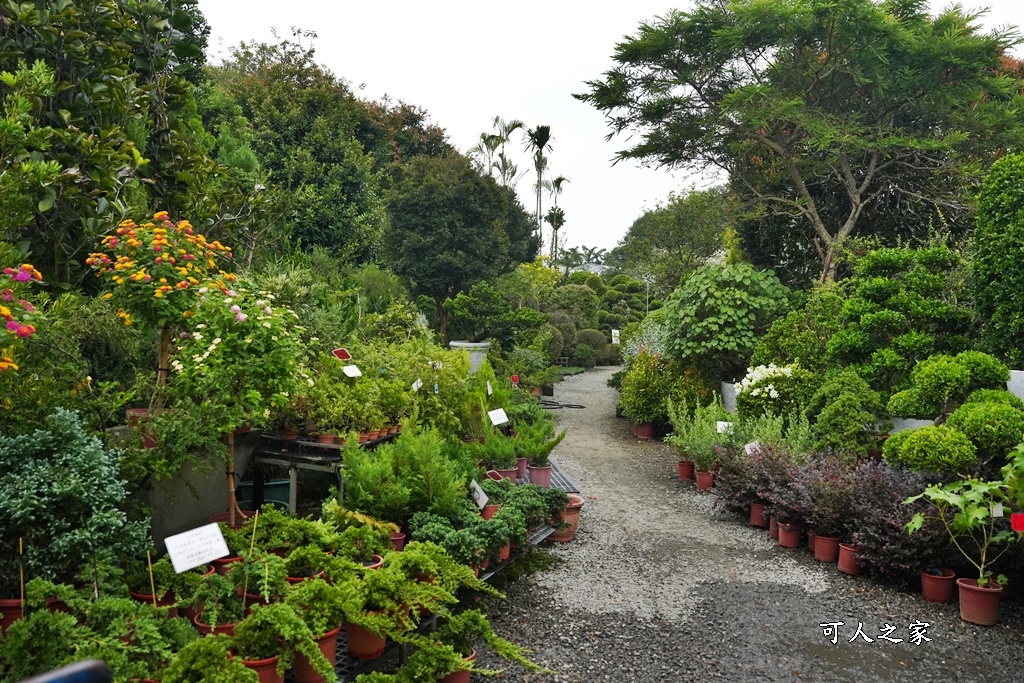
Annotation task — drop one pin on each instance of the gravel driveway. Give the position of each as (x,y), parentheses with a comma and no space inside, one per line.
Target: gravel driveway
(657,586)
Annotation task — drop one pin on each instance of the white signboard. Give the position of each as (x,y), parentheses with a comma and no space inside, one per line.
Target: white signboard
(723,426)
(489,389)
(615,336)
(479,497)
(197,547)
(352,371)
(417,384)
(498,417)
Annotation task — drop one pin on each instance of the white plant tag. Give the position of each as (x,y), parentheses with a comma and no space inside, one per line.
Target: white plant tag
(352,371)
(997,510)
(498,417)
(196,547)
(489,389)
(723,426)
(479,497)
(751,447)
(417,384)
(615,336)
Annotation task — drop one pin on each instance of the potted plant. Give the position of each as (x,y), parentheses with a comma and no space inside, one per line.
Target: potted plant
(499,453)
(698,436)
(497,492)
(260,577)
(679,419)
(306,562)
(271,636)
(830,483)
(645,389)
(218,605)
(541,440)
(207,660)
(460,634)
(965,510)
(321,605)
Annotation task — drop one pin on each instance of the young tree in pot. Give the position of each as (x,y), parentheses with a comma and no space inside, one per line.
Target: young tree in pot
(645,390)
(363,544)
(218,604)
(497,493)
(277,631)
(260,577)
(698,436)
(466,547)
(529,501)
(208,660)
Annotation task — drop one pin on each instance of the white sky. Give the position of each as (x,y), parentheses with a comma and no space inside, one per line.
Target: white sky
(466,62)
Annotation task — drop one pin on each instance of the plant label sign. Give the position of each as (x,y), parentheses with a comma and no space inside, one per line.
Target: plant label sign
(997,510)
(723,426)
(479,497)
(490,390)
(352,371)
(196,547)
(615,336)
(1017,521)
(342,354)
(498,417)
(417,385)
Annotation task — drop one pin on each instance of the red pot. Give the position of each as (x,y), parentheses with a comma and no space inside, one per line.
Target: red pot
(10,612)
(685,470)
(645,431)
(165,601)
(398,540)
(758,517)
(299,579)
(938,587)
(362,644)
(848,558)
(570,516)
(826,548)
(773,527)
(505,551)
(327,439)
(705,480)
(328,644)
(521,467)
(227,629)
(266,669)
(459,676)
(287,434)
(811,539)
(789,535)
(222,564)
(541,476)
(489,510)
(979,605)
(376,563)
(508,474)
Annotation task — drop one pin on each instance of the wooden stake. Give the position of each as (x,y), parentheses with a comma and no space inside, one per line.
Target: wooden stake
(152,582)
(21,567)
(252,546)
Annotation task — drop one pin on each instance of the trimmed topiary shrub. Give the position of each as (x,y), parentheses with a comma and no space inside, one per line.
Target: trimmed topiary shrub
(578,301)
(931,449)
(609,355)
(993,428)
(846,414)
(583,356)
(561,321)
(940,381)
(910,403)
(986,371)
(996,396)
(595,339)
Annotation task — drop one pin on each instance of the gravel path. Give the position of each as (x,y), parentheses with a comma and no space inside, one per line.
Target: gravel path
(657,586)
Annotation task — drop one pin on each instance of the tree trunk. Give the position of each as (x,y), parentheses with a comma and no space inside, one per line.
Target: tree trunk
(162,360)
(442,319)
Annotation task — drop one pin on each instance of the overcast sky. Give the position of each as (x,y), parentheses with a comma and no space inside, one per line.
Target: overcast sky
(466,62)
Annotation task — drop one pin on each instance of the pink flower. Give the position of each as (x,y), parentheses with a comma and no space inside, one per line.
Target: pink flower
(231,292)
(27,306)
(236,308)
(22,276)
(157,247)
(147,278)
(268,310)
(114,241)
(6,295)
(13,325)
(240,316)
(26,331)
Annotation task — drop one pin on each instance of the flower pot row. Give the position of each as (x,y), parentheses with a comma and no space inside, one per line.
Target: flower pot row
(688,472)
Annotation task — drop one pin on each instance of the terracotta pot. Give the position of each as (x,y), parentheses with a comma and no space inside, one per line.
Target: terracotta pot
(362,644)
(505,551)
(811,539)
(848,557)
(541,476)
(137,416)
(392,430)
(535,391)
(685,470)
(938,587)
(376,563)
(773,527)
(222,565)
(266,669)
(570,516)
(758,517)
(645,431)
(507,474)
(299,579)
(789,534)
(398,540)
(705,480)
(459,676)
(327,439)
(826,548)
(10,612)
(521,467)
(328,644)
(364,437)
(287,434)
(979,605)
(239,519)
(226,629)
(166,601)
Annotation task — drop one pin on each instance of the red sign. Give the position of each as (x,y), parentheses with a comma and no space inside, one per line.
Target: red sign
(1017,521)
(515,379)
(342,354)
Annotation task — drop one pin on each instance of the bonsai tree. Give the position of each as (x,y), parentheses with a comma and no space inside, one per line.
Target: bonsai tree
(306,561)
(430,562)
(276,630)
(847,414)
(388,603)
(497,491)
(208,660)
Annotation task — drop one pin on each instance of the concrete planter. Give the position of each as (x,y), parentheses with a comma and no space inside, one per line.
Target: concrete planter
(477,352)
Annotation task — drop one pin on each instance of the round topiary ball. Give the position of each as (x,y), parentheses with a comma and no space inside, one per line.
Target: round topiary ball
(987,372)
(940,379)
(931,449)
(994,428)
(595,339)
(564,324)
(996,396)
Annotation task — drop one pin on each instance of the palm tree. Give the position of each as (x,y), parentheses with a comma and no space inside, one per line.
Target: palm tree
(507,171)
(555,217)
(485,149)
(594,255)
(539,141)
(503,130)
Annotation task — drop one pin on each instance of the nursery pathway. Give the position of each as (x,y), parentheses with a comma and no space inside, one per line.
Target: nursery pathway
(657,586)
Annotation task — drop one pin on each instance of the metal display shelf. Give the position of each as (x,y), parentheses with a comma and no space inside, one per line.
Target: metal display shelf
(558,480)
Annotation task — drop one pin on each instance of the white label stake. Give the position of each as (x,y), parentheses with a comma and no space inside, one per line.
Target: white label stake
(498,417)
(197,547)
(352,371)
(479,497)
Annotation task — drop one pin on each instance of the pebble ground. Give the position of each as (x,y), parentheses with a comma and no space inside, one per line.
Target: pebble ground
(659,586)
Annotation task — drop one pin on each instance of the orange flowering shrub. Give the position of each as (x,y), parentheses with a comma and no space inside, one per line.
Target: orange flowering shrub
(153,269)
(15,310)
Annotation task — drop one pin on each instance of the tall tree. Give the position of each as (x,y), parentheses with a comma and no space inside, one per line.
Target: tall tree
(555,217)
(860,97)
(450,227)
(538,141)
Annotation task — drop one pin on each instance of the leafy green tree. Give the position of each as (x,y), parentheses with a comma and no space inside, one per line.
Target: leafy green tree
(483,313)
(862,97)
(450,227)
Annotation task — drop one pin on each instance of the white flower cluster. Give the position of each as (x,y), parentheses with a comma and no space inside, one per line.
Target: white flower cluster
(758,380)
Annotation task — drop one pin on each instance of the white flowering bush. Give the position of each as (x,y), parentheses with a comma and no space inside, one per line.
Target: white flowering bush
(774,390)
(651,337)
